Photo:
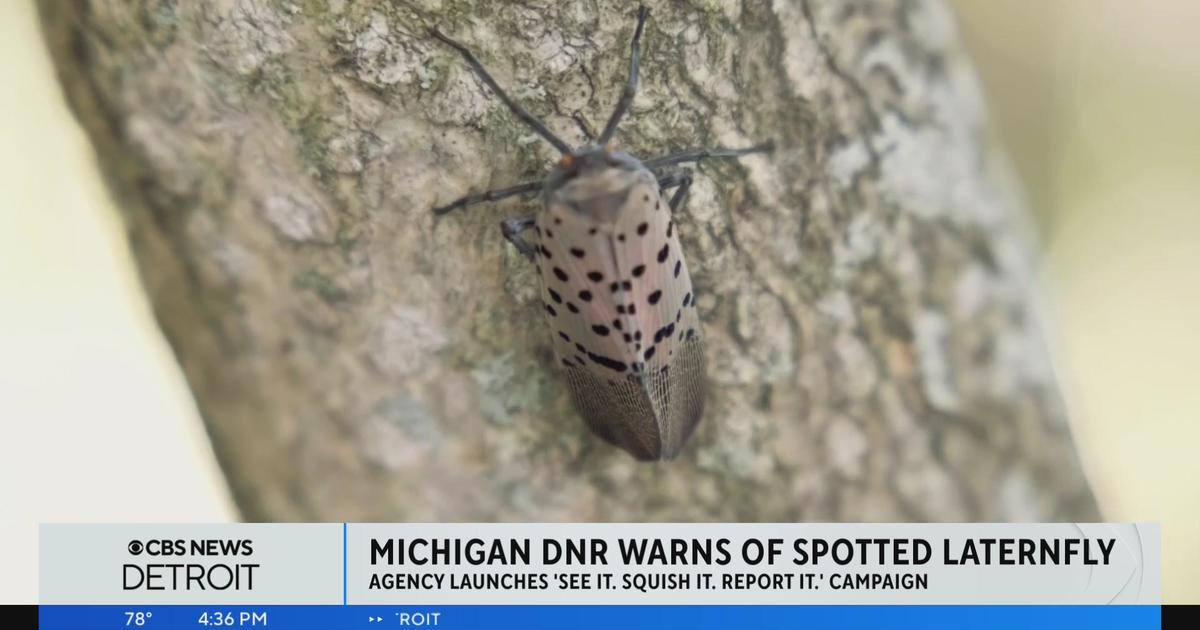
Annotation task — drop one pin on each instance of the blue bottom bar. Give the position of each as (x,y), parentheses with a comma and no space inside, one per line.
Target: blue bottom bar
(599,617)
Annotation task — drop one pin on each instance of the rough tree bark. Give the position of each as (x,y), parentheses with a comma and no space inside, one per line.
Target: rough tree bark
(866,291)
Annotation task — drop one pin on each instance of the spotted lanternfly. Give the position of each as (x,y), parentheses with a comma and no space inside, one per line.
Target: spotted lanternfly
(615,287)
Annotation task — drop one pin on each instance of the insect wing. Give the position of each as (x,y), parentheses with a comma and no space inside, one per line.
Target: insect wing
(618,300)
(661,306)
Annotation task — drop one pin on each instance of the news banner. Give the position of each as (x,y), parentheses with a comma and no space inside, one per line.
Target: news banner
(633,575)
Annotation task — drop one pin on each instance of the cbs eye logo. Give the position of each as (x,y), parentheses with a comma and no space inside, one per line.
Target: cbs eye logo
(157,547)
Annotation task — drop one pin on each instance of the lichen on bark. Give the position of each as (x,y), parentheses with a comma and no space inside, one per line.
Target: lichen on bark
(866,291)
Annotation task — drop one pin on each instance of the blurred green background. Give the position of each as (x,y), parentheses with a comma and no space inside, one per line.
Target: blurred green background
(1098,102)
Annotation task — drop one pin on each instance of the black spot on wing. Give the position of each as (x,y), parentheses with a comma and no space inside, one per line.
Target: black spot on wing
(600,329)
(545,252)
(664,252)
(576,252)
(678,267)
(641,269)
(595,276)
(555,296)
(565,336)
(550,309)
(654,297)
(611,364)
(560,274)
(585,295)
(571,307)
(642,228)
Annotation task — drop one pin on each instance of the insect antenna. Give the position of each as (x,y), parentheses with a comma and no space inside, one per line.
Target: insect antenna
(630,86)
(516,109)
(695,155)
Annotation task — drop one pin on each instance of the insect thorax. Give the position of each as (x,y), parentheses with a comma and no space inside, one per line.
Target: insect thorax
(595,183)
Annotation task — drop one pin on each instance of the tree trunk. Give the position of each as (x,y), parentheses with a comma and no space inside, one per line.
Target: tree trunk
(866,291)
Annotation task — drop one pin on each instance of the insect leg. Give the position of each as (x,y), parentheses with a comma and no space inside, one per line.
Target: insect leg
(685,182)
(517,110)
(630,86)
(512,228)
(491,195)
(682,177)
(695,155)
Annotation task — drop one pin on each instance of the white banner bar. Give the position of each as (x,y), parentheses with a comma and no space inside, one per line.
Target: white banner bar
(621,563)
(754,564)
